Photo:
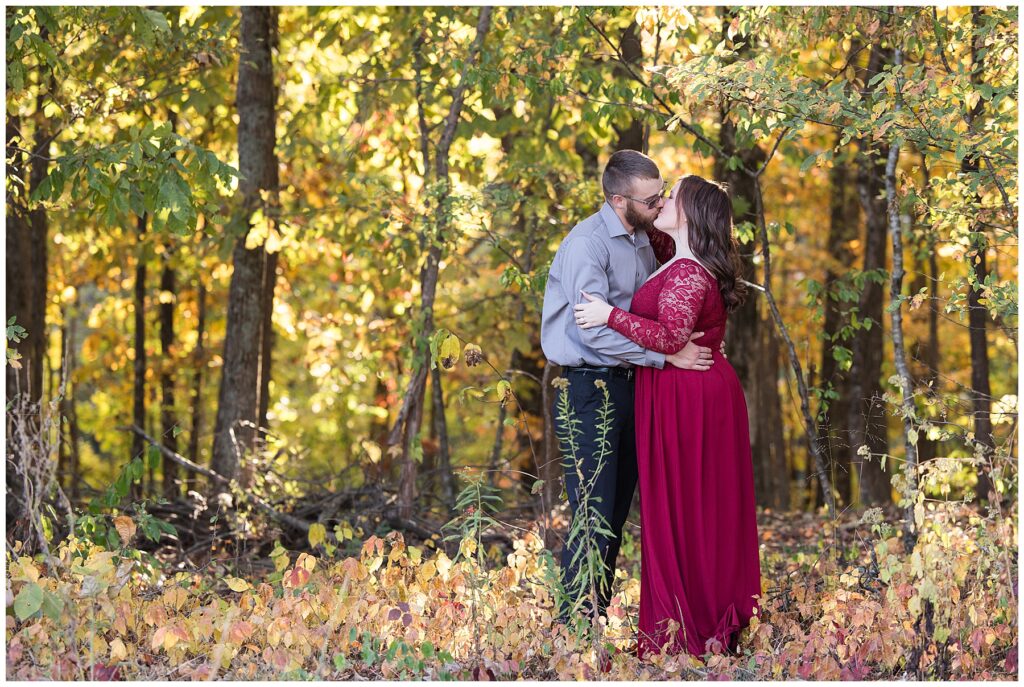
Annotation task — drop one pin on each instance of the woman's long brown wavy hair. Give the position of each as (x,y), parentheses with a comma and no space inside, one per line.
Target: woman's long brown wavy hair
(708,212)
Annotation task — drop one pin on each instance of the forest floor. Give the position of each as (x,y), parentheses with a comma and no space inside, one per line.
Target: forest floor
(841,600)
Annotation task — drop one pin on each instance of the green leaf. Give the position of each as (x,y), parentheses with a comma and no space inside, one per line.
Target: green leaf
(28,601)
(153,457)
(157,19)
(52,606)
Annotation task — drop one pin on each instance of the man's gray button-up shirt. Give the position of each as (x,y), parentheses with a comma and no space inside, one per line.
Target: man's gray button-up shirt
(599,257)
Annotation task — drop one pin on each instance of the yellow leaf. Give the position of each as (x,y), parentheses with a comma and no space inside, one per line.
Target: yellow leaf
(28,572)
(236,584)
(415,555)
(468,546)
(317,534)
(171,638)
(972,99)
(125,528)
(504,391)
(306,561)
(427,571)
(118,651)
(443,563)
(449,351)
(158,638)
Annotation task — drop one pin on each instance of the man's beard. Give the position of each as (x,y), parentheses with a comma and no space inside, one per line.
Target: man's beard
(638,221)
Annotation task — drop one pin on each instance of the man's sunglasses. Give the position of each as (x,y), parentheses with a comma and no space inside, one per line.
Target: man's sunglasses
(653,200)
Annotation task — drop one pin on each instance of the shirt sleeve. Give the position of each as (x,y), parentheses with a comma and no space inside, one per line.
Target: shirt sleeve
(679,304)
(585,269)
(664,245)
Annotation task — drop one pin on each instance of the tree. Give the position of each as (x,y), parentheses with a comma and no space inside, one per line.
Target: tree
(238,401)
(405,433)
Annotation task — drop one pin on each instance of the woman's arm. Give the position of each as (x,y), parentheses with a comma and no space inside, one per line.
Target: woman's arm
(679,304)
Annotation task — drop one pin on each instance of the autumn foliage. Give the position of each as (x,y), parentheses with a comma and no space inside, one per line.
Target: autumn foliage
(396,611)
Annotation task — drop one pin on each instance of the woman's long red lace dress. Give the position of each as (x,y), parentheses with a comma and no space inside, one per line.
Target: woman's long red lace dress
(699,543)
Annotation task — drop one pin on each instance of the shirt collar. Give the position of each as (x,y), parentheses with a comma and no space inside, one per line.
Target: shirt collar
(612,221)
(616,228)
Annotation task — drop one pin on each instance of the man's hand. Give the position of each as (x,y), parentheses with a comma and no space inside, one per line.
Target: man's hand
(692,356)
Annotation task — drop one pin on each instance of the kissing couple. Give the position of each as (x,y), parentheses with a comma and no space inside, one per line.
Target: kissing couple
(635,311)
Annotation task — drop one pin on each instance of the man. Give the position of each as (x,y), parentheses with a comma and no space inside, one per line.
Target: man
(609,255)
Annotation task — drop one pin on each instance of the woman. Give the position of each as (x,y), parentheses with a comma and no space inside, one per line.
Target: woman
(699,560)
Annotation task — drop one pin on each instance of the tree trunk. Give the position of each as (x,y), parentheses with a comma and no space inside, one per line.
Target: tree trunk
(440,424)
(407,428)
(899,351)
(199,364)
(238,400)
(752,342)
(867,417)
(633,136)
(926,351)
(38,272)
(168,298)
(139,365)
(19,238)
(19,380)
(843,224)
(67,404)
(550,469)
(977,314)
(267,336)
(499,442)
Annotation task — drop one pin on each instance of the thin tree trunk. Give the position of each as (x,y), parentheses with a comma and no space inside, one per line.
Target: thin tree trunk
(267,335)
(899,351)
(977,313)
(632,136)
(168,300)
(38,271)
(238,399)
(550,469)
(407,429)
(926,350)
(20,378)
(753,353)
(168,422)
(443,445)
(810,426)
(843,223)
(71,411)
(199,364)
(867,418)
(19,286)
(139,365)
(499,441)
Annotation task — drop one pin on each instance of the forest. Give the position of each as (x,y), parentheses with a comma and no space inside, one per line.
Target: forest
(277,406)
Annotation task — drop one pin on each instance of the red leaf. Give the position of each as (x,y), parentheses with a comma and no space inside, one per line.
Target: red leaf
(104,673)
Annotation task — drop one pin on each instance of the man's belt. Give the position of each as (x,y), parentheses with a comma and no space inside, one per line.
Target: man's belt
(623,372)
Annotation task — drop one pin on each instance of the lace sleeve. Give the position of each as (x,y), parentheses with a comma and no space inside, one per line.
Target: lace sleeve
(664,245)
(679,304)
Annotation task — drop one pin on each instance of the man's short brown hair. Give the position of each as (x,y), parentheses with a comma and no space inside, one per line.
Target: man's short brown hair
(625,167)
